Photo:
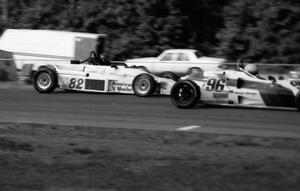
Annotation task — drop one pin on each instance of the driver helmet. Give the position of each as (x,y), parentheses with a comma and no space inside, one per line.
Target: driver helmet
(105,58)
(252,69)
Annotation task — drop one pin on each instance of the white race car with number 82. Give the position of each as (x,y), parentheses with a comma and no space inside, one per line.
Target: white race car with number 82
(95,75)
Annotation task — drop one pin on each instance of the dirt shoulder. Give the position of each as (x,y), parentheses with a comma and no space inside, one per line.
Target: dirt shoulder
(47,157)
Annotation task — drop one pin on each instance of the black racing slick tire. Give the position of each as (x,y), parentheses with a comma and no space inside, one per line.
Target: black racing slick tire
(45,80)
(169,75)
(143,85)
(185,94)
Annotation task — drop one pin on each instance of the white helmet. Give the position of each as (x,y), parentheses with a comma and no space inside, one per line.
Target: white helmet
(252,69)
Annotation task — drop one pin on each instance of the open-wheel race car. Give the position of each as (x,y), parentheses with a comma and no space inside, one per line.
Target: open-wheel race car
(234,88)
(99,75)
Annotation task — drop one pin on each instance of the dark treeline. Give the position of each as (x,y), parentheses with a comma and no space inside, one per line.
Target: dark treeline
(258,31)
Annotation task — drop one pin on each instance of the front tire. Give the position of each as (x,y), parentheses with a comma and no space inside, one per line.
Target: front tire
(143,85)
(45,80)
(185,94)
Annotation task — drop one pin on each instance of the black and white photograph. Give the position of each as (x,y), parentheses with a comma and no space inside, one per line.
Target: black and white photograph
(149,95)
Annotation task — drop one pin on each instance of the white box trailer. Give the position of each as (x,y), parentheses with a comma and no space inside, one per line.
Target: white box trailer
(43,47)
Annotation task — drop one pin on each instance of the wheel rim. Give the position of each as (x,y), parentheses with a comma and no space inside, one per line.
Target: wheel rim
(143,85)
(43,80)
(184,94)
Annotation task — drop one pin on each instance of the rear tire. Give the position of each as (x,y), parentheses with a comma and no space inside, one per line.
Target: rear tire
(185,94)
(45,80)
(143,85)
(169,75)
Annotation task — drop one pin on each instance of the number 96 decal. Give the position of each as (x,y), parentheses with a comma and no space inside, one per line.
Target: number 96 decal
(76,83)
(216,84)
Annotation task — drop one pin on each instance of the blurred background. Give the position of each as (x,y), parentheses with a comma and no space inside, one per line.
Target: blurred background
(259,31)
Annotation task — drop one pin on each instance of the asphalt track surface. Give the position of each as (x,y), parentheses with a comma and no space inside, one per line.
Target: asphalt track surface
(22,104)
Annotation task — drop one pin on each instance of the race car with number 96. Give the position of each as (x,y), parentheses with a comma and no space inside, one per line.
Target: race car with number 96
(234,88)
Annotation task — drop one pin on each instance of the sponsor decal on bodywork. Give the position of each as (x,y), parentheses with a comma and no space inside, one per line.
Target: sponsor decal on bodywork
(246,93)
(116,86)
(94,84)
(218,95)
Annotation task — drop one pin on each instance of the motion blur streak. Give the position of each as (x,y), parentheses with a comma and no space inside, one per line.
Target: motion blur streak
(25,105)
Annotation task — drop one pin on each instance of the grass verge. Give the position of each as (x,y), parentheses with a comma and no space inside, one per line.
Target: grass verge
(47,157)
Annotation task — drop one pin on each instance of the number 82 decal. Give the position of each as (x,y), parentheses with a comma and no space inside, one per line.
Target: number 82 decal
(215,84)
(76,83)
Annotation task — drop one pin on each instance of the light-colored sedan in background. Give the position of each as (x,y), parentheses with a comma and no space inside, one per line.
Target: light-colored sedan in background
(174,63)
